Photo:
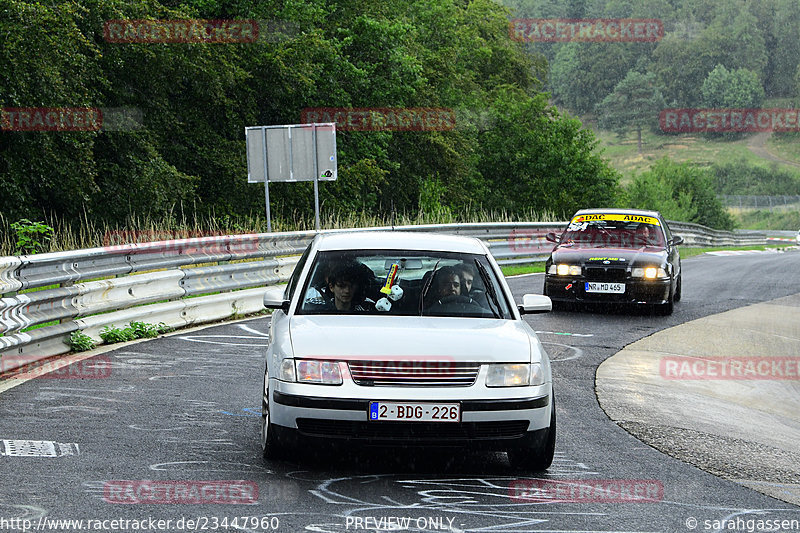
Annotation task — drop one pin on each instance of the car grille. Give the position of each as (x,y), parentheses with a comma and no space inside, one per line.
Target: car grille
(605,274)
(413,431)
(410,373)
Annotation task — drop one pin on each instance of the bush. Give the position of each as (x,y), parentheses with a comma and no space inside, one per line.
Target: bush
(32,237)
(80,342)
(680,191)
(113,334)
(741,177)
(143,330)
(163,328)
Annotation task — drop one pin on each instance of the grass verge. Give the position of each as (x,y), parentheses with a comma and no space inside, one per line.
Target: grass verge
(516,270)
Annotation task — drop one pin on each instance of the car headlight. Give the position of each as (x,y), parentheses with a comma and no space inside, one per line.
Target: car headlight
(515,375)
(311,371)
(322,372)
(649,273)
(564,270)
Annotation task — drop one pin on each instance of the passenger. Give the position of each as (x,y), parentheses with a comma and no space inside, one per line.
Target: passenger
(466,273)
(477,294)
(318,291)
(348,284)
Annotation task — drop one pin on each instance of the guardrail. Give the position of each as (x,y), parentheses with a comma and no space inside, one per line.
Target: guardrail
(194,281)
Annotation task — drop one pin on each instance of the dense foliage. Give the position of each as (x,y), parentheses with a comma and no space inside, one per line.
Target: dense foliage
(510,148)
(680,191)
(757,35)
(745,179)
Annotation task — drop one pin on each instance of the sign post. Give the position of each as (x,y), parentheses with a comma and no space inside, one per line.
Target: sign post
(297,152)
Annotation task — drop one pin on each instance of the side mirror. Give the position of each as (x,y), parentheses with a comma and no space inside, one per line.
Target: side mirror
(552,238)
(273,299)
(534,304)
(676,240)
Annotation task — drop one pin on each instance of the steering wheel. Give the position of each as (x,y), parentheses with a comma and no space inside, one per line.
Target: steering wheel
(458,305)
(456,299)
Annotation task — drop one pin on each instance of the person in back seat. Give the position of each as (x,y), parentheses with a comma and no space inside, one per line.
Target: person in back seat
(348,283)
(466,274)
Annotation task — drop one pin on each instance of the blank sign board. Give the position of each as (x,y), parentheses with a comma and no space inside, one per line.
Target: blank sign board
(290,153)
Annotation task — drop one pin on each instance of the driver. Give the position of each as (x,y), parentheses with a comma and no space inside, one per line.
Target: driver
(646,234)
(446,282)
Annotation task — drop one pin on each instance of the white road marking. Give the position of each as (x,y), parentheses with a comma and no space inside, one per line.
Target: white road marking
(37,448)
(254,331)
(202,339)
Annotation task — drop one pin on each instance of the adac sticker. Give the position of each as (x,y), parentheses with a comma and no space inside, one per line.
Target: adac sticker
(616,216)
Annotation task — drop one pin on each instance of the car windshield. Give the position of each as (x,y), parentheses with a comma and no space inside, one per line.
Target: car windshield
(612,234)
(403,283)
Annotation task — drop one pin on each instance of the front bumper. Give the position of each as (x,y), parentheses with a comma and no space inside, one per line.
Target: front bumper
(568,289)
(491,418)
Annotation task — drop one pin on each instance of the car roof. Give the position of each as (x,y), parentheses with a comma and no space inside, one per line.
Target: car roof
(399,240)
(618,210)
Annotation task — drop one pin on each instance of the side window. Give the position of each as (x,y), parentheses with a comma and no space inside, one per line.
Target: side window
(296,274)
(666,229)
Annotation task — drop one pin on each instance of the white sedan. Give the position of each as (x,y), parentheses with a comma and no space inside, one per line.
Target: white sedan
(392,338)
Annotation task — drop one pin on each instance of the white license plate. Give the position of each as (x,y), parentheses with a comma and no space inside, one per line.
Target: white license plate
(415,411)
(608,288)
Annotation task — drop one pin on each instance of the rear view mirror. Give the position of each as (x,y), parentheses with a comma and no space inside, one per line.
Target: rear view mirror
(676,240)
(552,238)
(273,299)
(534,304)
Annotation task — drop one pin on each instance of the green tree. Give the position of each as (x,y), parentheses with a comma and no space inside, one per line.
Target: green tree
(680,191)
(779,23)
(536,158)
(635,103)
(733,39)
(739,88)
(582,74)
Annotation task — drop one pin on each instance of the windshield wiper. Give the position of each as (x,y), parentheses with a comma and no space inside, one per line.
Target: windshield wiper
(494,304)
(427,286)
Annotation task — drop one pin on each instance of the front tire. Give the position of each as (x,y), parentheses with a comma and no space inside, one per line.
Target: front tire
(667,308)
(271,446)
(536,453)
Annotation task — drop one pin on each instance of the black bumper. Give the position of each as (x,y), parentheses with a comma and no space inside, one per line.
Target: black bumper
(564,289)
(499,435)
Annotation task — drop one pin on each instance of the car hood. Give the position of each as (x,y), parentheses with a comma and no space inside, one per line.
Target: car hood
(361,337)
(618,256)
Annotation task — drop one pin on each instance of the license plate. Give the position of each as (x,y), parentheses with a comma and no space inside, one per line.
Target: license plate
(415,411)
(608,288)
